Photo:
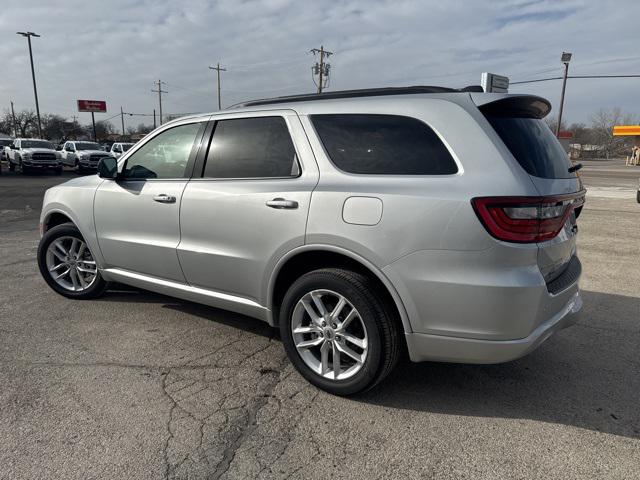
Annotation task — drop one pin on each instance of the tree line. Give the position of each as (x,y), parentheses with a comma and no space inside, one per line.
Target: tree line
(57,128)
(599,131)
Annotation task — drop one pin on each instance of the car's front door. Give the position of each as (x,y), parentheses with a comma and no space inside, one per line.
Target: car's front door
(250,205)
(137,216)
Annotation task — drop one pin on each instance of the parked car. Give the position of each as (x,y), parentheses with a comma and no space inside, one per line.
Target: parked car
(117,149)
(83,156)
(4,144)
(361,224)
(30,154)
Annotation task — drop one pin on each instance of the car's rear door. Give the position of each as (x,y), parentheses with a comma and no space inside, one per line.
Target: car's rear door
(250,205)
(137,217)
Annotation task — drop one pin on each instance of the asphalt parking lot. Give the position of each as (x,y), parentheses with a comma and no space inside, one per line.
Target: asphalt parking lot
(137,385)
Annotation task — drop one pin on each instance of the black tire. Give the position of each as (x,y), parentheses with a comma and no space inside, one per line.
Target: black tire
(12,167)
(638,195)
(98,286)
(58,171)
(378,318)
(22,169)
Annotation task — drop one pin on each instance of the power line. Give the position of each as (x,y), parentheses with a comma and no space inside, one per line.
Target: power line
(573,76)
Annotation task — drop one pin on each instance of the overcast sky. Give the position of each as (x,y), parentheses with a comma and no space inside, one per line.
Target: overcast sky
(114,50)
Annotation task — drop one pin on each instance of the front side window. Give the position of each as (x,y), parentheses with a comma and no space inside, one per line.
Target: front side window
(383,145)
(164,156)
(258,147)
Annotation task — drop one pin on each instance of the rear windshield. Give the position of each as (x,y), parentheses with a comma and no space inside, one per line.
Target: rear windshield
(533,145)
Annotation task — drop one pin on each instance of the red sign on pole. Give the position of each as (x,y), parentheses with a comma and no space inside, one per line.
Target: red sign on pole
(92,106)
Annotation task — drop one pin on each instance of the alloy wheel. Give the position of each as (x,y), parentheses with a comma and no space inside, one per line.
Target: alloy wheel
(70,264)
(329,334)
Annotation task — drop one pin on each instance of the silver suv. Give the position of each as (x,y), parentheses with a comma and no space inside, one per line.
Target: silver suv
(363,224)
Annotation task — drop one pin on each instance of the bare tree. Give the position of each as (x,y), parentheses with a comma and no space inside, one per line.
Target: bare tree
(602,123)
(25,125)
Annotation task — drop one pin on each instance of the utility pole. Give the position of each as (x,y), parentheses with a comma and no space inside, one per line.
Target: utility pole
(33,76)
(154,118)
(15,125)
(93,122)
(160,92)
(322,68)
(122,119)
(218,69)
(566,58)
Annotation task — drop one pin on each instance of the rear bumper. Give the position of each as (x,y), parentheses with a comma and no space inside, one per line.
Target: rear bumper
(426,347)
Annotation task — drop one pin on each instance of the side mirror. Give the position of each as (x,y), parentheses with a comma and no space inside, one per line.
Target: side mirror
(58,147)
(108,168)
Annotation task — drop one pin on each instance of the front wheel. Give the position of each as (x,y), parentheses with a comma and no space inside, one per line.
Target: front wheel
(67,264)
(337,331)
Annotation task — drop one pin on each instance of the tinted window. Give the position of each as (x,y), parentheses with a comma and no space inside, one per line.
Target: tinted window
(383,144)
(533,145)
(37,144)
(164,156)
(5,143)
(251,148)
(88,146)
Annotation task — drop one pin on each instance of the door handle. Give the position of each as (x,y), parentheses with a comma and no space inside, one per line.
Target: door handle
(281,203)
(163,198)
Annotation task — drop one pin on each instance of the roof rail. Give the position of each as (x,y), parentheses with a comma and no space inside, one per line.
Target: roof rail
(365,92)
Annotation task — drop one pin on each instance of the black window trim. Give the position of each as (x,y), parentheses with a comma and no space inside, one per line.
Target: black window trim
(460,168)
(198,173)
(189,170)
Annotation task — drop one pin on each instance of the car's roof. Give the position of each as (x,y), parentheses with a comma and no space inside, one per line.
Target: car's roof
(356,99)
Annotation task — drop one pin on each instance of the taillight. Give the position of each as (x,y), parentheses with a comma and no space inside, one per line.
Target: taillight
(526,219)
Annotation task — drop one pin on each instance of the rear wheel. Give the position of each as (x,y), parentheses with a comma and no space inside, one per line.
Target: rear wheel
(67,264)
(337,331)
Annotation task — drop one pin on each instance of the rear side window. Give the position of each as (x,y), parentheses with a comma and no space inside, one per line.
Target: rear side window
(383,145)
(258,147)
(533,145)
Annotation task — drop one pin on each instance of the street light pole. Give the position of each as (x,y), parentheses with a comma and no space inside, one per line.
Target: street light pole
(566,58)
(33,76)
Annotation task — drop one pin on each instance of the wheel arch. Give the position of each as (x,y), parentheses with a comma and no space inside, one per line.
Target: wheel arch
(311,257)
(53,219)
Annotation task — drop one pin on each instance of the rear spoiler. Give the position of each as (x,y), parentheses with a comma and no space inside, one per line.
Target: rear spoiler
(526,106)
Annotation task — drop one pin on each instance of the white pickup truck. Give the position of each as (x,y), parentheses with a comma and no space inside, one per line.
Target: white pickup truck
(29,154)
(117,149)
(84,156)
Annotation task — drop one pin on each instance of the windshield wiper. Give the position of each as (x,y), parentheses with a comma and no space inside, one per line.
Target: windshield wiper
(575,167)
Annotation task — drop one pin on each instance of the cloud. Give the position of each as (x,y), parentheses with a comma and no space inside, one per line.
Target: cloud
(114,50)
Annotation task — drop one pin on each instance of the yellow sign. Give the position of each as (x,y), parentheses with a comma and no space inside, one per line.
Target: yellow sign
(624,130)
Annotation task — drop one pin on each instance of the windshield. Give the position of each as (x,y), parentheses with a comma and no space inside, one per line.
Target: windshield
(126,146)
(533,145)
(5,142)
(88,146)
(37,144)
